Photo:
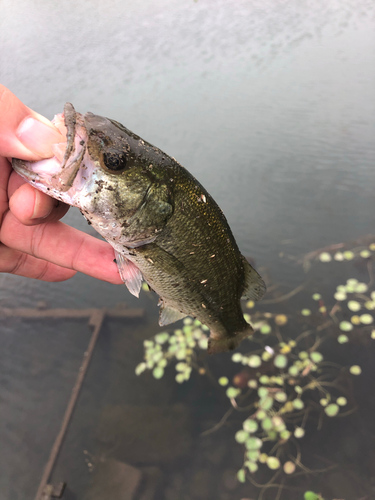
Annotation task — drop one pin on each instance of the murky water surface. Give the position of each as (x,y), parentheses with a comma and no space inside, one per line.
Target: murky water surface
(271,106)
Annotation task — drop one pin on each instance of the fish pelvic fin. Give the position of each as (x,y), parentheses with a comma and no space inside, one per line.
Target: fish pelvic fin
(169,315)
(228,342)
(130,274)
(255,287)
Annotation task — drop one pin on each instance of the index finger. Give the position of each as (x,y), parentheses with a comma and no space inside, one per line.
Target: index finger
(62,245)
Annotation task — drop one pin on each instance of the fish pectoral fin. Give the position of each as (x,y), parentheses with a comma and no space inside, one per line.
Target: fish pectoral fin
(255,287)
(130,274)
(169,315)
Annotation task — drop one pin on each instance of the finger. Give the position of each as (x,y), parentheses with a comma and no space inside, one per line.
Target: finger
(62,245)
(21,264)
(5,172)
(33,207)
(24,133)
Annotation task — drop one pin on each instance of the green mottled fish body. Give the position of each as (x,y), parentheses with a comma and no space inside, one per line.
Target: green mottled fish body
(162,223)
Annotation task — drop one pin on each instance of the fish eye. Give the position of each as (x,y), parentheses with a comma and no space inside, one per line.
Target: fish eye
(114,161)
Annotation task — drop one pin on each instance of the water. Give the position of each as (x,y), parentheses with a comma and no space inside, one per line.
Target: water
(270,105)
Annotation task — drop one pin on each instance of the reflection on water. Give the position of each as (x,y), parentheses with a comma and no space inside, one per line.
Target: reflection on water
(271,107)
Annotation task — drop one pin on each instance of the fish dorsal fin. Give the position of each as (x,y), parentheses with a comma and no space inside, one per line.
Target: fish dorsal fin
(130,274)
(255,287)
(169,315)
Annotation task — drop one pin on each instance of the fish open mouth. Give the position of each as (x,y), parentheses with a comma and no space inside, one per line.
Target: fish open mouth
(60,176)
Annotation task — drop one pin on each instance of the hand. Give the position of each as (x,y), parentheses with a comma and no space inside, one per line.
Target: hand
(33,243)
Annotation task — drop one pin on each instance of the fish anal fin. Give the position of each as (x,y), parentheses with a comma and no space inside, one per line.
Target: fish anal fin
(169,315)
(255,287)
(129,273)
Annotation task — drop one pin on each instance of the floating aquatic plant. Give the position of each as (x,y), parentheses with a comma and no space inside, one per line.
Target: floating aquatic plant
(283,377)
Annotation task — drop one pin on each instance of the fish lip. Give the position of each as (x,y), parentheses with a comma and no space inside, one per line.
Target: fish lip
(62,172)
(20,166)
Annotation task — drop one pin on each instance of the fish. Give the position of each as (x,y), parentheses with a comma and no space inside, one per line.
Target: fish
(164,226)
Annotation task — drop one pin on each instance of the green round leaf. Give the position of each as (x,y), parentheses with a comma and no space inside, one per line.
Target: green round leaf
(355,319)
(289,467)
(161,338)
(254,361)
(180,354)
(237,357)
(266,356)
(325,257)
(331,410)
(342,339)
(266,403)
(252,466)
(280,397)
(232,392)
(241,475)
(298,404)
(250,425)
(341,401)
(272,435)
(366,319)
(338,256)
(355,370)
(140,368)
(354,306)
(241,436)
(180,377)
(162,363)
(158,372)
(181,367)
(340,296)
(285,434)
(280,361)
(361,288)
(254,443)
(303,355)
(267,424)
(345,326)
(310,495)
(273,463)
(299,432)
(262,392)
(278,423)
(253,455)
(252,384)
(323,401)
(316,296)
(265,329)
(316,357)
(352,281)
(348,255)
(365,254)
(293,371)
(305,312)
(223,381)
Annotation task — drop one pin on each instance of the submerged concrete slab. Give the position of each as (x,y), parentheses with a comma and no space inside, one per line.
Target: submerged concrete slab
(114,480)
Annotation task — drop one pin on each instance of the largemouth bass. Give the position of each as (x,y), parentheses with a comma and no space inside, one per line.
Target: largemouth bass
(164,226)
